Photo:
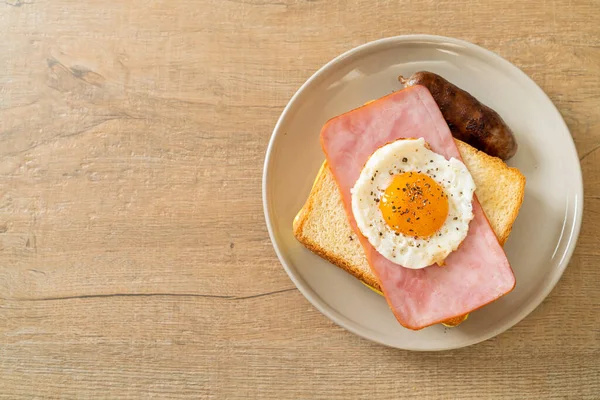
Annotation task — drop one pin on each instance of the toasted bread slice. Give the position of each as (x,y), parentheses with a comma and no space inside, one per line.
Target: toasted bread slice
(322,225)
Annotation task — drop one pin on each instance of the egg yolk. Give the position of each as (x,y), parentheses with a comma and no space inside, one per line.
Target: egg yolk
(414,205)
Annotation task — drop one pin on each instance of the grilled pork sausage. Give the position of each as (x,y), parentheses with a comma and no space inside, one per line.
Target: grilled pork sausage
(468,119)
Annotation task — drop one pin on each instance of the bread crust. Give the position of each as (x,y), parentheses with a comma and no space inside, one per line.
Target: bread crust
(499,165)
(298,228)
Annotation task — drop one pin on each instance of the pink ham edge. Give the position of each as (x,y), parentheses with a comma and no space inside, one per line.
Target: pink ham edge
(474,275)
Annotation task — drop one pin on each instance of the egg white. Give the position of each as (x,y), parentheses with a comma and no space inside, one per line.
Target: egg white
(412,155)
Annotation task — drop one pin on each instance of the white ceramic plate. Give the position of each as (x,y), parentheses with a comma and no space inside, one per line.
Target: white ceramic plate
(544,234)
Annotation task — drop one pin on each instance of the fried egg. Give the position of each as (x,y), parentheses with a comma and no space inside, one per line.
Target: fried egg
(412,204)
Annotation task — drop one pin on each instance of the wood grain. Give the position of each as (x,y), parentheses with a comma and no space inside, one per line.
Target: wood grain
(134,258)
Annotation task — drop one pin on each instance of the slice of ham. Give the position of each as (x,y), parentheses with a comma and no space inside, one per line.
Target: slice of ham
(472,276)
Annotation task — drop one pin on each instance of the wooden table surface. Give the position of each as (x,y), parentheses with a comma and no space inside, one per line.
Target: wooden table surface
(134,257)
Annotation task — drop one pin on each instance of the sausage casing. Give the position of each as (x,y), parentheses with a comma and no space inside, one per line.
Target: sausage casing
(469,120)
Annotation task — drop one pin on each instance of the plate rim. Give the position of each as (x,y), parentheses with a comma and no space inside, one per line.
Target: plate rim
(313,297)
